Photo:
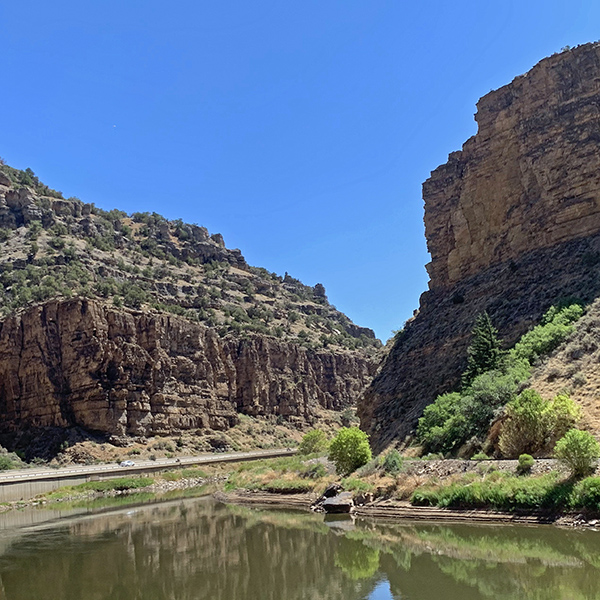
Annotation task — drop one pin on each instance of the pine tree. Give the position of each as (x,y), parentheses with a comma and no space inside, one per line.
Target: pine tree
(485,351)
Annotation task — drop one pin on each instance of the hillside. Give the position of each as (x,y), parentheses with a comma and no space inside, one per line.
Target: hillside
(512,223)
(126,327)
(573,368)
(55,247)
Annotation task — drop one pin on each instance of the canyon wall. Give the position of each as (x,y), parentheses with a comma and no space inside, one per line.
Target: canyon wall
(512,224)
(122,372)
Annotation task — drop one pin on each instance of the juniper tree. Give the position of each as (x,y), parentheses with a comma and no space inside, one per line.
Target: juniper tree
(485,351)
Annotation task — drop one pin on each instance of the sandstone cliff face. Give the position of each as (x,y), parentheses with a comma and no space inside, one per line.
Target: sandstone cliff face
(121,372)
(529,179)
(512,224)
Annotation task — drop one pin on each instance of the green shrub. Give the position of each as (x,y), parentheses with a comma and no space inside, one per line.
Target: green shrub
(526,462)
(393,462)
(5,463)
(314,471)
(312,442)
(443,425)
(524,430)
(454,418)
(480,456)
(586,494)
(370,468)
(533,424)
(349,450)
(348,417)
(578,450)
(556,326)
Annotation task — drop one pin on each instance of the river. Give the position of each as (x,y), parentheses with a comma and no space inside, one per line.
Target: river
(200,549)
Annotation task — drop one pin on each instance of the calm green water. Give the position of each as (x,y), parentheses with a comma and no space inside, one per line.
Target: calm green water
(198,549)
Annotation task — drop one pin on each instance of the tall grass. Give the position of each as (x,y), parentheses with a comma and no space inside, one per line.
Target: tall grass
(502,491)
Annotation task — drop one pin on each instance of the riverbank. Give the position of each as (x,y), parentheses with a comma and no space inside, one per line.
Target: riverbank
(486,491)
(389,510)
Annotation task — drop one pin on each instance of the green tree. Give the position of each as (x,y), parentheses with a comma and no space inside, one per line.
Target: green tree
(579,450)
(485,351)
(313,441)
(349,450)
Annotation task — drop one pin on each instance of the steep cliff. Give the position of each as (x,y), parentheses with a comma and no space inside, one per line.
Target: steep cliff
(121,372)
(512,224)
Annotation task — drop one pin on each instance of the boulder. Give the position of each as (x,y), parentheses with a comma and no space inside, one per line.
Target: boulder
(342,503)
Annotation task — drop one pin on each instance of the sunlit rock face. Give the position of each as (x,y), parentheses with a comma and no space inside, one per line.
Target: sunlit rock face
(512,224)
(123,372)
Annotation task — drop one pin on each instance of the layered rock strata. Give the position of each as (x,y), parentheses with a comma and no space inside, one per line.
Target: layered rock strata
(512,224)
(120,372)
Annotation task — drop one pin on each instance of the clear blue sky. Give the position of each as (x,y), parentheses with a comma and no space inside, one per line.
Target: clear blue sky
(301,131)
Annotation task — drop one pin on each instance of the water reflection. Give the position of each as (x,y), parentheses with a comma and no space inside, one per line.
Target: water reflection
(197,549)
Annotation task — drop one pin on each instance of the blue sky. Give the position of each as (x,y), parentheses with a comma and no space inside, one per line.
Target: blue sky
(301,131)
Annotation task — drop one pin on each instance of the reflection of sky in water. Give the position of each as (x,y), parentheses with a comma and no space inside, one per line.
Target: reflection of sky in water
(381,592)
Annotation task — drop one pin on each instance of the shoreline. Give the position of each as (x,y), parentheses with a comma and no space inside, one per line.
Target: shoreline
(380,510)
(404,511)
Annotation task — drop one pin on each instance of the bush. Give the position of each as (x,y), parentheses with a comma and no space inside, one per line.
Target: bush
(556,325)
(526,462)
(314,471)
(348,417)
(533,424)
(349,450)
(480,456)
(5,463)
(313,441)
(371,468)
(586,494)
(524,430)
(392,463)
(443,426)
(578,450)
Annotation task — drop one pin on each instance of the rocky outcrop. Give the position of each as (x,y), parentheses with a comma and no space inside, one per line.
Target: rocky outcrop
(119,372)
(512,224)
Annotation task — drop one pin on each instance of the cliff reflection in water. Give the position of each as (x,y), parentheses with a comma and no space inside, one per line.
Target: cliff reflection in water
(198,549)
